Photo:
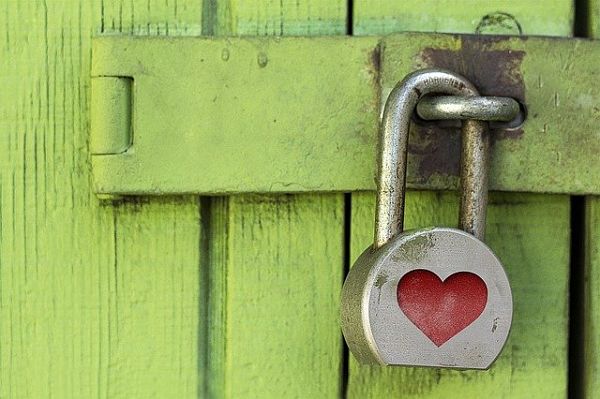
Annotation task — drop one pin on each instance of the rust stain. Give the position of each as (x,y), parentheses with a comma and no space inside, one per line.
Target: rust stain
(375,58)
(381,280)
(369,126)
(493,72)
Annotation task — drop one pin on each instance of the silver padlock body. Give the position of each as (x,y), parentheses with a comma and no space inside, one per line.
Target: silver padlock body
(420,333)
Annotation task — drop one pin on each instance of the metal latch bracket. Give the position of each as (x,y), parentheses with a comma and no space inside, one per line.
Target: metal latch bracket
(194,115)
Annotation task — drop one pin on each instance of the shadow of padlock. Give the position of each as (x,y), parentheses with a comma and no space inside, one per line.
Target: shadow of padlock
(435,297)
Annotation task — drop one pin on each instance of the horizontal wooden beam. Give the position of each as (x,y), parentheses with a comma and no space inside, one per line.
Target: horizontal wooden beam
(231,115)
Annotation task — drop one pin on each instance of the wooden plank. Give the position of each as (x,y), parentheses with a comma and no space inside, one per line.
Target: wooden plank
(591,334)
(591,283)
(156,317)
(96,299)
(492,16)
(281,18)
(529,233)
(593,19)
(591,361)
(277,260)
(157,325)
(276,274)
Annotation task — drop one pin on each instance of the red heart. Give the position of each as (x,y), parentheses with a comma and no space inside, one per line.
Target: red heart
(441,309)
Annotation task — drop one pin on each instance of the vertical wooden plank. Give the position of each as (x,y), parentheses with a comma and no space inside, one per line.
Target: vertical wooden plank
(591,356)
(96,299)
(530,233)
(591,361)
(277,335)
(493,16)
(50,276)
(155,313)
(277,260)
(593,18)
(155,320)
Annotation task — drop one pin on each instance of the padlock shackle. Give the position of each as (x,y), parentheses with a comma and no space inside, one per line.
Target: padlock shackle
(393,154)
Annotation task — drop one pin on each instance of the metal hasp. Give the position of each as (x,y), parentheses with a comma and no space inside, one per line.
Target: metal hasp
(435,297)
(194,115)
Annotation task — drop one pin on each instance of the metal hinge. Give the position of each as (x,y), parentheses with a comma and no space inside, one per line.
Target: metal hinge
(229,115)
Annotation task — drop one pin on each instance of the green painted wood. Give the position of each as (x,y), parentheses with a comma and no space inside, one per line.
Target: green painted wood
(155,320)
(276,277)
(491,16)
(593,19)
(96,299)
(529,233)
(591,362)
(283,18)
(276,260)
(101,299)
(157,275)
(591,284)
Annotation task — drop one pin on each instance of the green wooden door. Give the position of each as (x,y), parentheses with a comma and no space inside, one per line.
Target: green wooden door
(238,297)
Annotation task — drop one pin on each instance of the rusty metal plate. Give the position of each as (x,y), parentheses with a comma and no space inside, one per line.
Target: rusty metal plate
(556,148)
(230,115)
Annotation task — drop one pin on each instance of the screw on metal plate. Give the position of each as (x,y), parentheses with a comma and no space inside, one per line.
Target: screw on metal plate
(435,297)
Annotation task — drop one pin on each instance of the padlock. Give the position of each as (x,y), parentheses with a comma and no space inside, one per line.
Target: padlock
(435,297)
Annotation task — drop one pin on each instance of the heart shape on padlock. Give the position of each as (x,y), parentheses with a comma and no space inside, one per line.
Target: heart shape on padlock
(441,309)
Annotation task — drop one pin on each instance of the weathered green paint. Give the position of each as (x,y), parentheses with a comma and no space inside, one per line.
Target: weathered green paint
(238,115)
(525,17)
(529,233)
(310,132)
(593,19)
(277,261)
(102,299)
(96,300)
(591,333)
(155,341)
(276,270)
(591,279)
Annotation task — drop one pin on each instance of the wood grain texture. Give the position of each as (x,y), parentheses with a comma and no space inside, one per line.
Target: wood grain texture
(593,19)
(591,315)
(289,18)
(277,279)
(526,17)
(591,361)
(96,299)
(276,261)
(109,299)
(529,233)
(157,274)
